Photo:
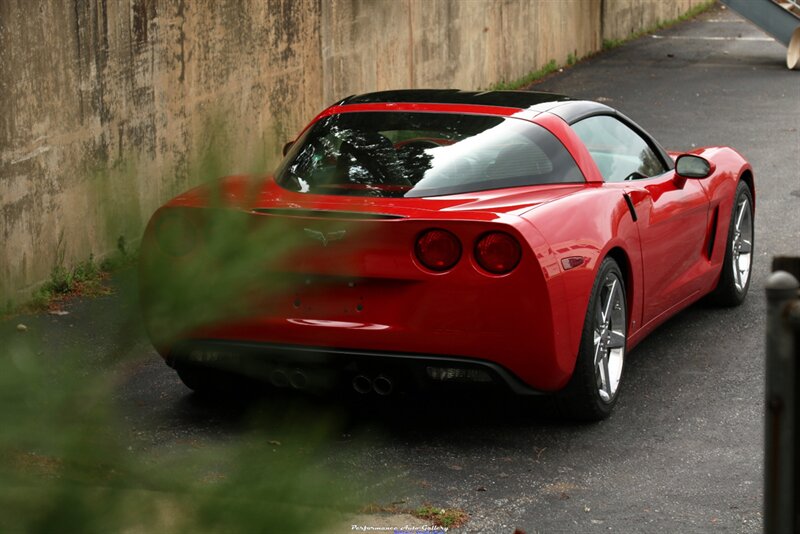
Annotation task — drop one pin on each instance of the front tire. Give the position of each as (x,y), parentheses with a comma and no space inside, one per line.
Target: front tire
(734,280)
(593,389)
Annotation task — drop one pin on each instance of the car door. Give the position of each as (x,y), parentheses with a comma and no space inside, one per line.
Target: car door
(671,212)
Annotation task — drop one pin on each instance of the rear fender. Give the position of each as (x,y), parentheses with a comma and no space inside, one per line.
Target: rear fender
(591,225)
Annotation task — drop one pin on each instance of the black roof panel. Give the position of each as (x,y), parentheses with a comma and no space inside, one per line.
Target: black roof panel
(575,110)
(511,99)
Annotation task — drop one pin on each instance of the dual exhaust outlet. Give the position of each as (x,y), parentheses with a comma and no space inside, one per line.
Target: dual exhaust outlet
(297,379)
(381,384)
(282,378)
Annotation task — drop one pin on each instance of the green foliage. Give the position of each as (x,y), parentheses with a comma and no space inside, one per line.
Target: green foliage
(526,80)
(198,268)
(693,12)
(84,278)
(442,517)
(67,466)
(572,58)
(67,459)
(609,44)
(121,258)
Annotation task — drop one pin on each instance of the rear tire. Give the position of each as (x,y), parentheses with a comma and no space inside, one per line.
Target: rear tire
(593,389)
(734,280)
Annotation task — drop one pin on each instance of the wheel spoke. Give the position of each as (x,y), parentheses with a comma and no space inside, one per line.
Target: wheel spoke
(601,368)
(600,318)
(606,377)
(742,209)
(609,336)
(598,351)
(610,302)
(743,274)
(616,340)
(742,245)
(745,247)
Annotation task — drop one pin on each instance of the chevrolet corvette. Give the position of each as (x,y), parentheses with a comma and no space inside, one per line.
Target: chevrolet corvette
(524,241)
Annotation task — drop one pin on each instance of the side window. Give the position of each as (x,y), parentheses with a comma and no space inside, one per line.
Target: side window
(619,152)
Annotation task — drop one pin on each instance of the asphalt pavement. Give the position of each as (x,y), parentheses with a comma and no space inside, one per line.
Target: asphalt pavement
(683,450)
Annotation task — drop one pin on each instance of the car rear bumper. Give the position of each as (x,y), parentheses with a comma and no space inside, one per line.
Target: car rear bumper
(370,296)
(317,368)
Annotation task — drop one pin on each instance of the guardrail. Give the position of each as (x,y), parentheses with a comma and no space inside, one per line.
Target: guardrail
(781,454)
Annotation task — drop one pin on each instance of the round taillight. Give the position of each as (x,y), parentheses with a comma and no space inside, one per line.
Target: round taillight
(497,252)
(438,250)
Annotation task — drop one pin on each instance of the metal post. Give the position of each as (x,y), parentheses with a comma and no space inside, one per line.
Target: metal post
(781,456)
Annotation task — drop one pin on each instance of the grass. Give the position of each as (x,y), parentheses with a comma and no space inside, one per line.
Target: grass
(526,80)
(437,516)
(609,44)
(86,278)
(442,517)
(572,58)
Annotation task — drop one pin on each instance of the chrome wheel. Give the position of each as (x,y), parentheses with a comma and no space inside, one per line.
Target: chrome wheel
(734,278)
(742,243)
(594,387)
(609,336)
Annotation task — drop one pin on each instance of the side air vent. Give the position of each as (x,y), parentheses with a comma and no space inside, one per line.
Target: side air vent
(325,214)
(712,233)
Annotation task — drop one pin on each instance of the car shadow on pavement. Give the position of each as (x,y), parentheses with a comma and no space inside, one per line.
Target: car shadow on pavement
(403,413)
(654,369)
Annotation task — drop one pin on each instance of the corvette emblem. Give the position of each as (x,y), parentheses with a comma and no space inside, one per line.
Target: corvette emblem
(325,238)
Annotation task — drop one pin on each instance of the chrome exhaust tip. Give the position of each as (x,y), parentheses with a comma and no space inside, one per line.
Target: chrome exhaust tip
(383,385)
(298,379)
(279,378)
(362,384)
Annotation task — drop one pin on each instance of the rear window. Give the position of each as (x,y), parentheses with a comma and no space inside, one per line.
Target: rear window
(396,154)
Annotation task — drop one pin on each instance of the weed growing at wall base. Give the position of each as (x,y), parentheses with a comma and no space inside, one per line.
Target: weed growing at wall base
(572,58)
(526,80)
(609,44)
(442,517)
(87,278)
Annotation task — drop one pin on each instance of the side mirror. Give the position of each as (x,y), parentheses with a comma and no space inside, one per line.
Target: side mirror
(287,146)
(691,166)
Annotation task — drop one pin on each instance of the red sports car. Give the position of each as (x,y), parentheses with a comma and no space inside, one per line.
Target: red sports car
(417,238)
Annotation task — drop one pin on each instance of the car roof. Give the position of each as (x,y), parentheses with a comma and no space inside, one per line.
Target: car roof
(532,102)
(568,109)
(513,99)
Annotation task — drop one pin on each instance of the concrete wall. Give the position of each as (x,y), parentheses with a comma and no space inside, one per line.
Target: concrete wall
(448,43)
(621,18)
(107,107)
